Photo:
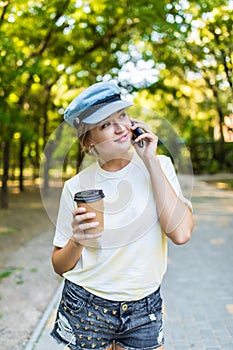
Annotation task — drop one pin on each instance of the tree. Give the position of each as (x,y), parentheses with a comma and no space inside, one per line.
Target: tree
(194,85)
(51,50)
(53,43)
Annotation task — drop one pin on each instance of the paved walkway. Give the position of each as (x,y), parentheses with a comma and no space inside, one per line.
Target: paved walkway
(198,286)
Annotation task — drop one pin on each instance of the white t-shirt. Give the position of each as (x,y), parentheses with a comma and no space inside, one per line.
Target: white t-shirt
(129,260)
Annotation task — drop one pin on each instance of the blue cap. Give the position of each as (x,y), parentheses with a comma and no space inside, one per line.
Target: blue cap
(95,104)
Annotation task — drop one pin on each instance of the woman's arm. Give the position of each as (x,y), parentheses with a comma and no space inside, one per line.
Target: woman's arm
(64,259)
(174,215)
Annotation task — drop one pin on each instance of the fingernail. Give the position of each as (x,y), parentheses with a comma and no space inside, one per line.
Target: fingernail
(96,223)
(82,209)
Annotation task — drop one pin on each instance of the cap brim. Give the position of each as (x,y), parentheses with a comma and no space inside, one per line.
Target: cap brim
(105,111)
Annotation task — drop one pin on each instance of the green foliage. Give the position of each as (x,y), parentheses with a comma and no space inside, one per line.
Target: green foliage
(13,270)
(5,273)
(174,57)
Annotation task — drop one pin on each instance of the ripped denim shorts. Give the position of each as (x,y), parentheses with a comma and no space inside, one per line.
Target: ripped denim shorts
(85,321)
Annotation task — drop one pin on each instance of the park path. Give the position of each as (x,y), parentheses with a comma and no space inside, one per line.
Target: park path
(198,286)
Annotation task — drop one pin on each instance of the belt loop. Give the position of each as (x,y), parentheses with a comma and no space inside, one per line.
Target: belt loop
(148,303)
(90,297)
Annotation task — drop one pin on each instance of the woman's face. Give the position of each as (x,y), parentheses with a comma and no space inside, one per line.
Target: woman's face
(112,136)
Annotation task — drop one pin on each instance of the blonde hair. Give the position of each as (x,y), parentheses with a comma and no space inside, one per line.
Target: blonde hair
(83,131)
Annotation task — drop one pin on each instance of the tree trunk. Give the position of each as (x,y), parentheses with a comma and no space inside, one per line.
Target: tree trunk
(6,154)
(221,155)
(21,166)
(48,153)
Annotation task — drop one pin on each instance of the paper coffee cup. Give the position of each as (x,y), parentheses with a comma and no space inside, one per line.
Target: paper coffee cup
(92,200)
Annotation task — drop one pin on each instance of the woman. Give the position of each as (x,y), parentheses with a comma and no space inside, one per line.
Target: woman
(111,297)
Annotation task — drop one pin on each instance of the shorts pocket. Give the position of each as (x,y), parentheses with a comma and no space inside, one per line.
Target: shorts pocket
(156,304)
(155,309)
(71,301)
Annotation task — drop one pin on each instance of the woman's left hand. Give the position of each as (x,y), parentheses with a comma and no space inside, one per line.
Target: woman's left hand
(150,140)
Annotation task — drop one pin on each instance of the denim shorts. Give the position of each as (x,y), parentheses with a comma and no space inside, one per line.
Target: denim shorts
(85,321)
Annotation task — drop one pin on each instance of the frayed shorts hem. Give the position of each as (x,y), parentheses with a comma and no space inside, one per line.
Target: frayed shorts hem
(62,341)
(130,348)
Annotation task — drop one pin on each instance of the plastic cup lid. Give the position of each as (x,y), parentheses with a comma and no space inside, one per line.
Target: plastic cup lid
(88,196)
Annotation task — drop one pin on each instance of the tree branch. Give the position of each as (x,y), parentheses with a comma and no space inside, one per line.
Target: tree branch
(4,5)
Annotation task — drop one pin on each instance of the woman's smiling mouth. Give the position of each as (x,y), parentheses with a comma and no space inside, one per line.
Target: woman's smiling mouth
(122,138)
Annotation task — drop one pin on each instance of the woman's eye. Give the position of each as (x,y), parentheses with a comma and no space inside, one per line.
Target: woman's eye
(104,126)
(123,115)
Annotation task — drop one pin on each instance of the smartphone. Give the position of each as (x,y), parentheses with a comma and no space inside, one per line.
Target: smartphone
(137,132)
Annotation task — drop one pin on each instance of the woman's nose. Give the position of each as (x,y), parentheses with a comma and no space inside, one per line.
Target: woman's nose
(119,127)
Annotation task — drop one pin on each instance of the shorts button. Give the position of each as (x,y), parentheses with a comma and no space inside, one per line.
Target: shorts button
(124,307)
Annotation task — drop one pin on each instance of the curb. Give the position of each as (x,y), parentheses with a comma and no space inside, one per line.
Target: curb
(42,322)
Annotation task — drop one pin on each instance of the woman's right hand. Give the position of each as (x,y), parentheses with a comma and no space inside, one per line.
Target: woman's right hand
(79,226)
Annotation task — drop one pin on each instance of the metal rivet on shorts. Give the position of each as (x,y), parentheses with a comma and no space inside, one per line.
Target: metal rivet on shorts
(114,312)
(105,311)
(77,326)
(89,337)
(124,307)
(91,323)
(96,330)
(98,339)
(80,336)
(103,343)
(93,346)
(107,321)
(97,317)
(96,307)
(86,328)
(110,327)
(83,344)
(62,302)
(72,313)
(101,326)
(90,313)
(82,321)
(64,308)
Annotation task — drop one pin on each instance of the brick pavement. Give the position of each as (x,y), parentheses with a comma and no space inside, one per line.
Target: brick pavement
(198,286)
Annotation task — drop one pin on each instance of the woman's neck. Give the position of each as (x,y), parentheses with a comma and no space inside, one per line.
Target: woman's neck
(116,164)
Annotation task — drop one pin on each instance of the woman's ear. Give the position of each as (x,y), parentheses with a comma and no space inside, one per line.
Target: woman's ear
(93,151)
(87,143)
(90,147)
